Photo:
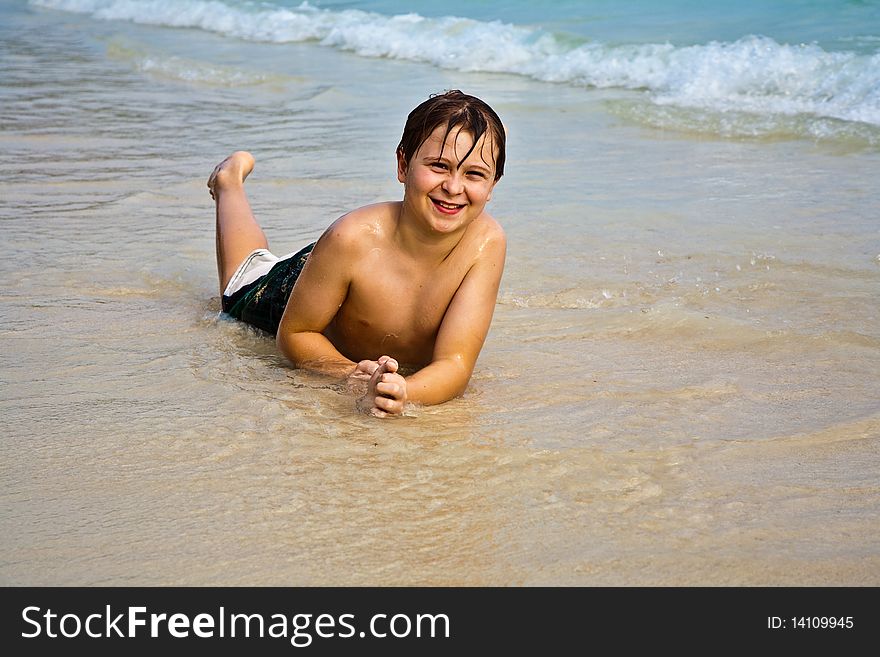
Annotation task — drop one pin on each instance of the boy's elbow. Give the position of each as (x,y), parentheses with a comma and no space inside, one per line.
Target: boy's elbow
(285,342)
(460,376)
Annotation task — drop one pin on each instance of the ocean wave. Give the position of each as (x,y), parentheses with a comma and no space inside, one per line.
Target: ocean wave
(754,74)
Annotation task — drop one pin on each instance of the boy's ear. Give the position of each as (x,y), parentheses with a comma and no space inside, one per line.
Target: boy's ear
(401,166)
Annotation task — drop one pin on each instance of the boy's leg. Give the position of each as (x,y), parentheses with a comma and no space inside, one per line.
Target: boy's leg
(238,233)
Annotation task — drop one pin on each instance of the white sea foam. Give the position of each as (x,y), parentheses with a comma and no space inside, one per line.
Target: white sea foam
(753,74)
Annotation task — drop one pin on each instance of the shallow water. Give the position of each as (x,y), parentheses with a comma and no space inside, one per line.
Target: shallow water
(680,385)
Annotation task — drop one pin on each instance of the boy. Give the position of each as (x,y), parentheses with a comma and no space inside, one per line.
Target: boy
(410,284)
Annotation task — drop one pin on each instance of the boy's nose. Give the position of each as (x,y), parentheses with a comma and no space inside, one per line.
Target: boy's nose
(453,184)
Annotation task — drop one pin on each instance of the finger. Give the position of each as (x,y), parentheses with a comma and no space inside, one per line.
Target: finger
(396,379)
(357,374)
(378,373)
(389,390)
(389,363)
(392,406)
(364,370)
(368,366)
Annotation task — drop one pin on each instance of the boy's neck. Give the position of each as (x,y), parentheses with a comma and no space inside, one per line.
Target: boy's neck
(422,245)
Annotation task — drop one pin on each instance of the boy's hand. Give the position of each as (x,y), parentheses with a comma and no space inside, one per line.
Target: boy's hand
(386,392)
(364,371)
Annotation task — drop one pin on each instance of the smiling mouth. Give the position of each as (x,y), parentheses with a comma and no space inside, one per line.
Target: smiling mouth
(446,208)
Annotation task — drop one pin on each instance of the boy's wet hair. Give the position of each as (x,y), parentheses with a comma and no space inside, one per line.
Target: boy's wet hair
(454,109)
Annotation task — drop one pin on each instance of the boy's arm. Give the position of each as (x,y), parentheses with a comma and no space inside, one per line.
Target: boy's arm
(317,296)
(463,330)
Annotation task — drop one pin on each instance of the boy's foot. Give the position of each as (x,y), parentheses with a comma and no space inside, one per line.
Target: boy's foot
(231,171)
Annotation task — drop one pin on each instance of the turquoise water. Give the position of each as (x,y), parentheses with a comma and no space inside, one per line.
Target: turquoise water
(834,24)
(741,69)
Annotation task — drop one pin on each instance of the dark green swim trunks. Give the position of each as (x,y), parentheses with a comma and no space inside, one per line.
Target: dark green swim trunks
(261,301)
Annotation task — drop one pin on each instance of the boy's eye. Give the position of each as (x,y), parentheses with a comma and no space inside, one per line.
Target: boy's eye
(439,165)
(476,174)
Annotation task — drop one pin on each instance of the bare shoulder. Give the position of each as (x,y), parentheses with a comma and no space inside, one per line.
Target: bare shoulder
(487,238)
(359,229)
(492,228)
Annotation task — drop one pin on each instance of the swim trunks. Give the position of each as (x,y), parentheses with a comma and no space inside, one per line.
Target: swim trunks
(258,291)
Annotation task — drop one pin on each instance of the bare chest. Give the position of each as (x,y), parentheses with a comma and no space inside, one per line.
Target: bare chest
(396,310)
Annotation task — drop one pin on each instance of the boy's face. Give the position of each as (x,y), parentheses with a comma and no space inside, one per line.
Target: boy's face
(446,195)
